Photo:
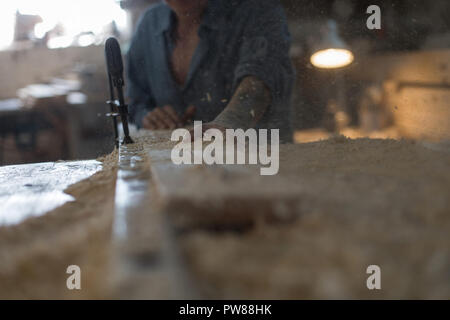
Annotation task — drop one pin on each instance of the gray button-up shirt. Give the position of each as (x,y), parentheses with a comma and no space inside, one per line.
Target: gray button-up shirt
(237,39)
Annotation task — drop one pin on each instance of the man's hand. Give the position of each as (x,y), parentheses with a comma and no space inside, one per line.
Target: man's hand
(166,118)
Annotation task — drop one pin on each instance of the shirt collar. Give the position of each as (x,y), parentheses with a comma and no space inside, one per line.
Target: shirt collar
(165,21)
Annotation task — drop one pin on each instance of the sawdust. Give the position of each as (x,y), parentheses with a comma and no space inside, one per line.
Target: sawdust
(35,254)
(360,202)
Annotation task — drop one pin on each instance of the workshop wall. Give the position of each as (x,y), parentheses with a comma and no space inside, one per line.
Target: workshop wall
(415,87)
(20,68)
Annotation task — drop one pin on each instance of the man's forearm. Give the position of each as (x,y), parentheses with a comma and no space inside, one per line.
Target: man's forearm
(249,103)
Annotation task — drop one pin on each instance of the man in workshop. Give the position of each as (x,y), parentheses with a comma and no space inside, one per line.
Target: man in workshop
(223,62)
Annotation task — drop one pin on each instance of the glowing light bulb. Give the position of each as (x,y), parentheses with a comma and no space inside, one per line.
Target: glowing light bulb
(332,58)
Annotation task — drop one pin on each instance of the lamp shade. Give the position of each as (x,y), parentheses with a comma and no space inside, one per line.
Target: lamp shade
(331,51)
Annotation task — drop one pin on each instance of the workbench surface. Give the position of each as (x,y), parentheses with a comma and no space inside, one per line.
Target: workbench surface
(335,207)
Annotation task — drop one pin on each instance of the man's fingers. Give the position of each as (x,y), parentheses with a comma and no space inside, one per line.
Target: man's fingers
(164,120)
(153,121)
(173,115)
(147,124)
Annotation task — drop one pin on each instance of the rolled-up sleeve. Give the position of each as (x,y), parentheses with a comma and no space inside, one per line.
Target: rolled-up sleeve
(264,51)
(138,90)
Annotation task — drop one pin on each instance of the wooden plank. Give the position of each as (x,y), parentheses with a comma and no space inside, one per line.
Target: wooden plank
(220,196)
(146,262)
